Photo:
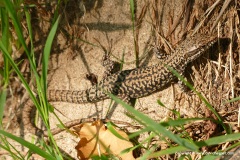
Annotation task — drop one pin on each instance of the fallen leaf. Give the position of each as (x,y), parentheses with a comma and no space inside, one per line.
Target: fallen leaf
(96,139)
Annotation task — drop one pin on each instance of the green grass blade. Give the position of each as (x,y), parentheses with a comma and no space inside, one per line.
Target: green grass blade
(47,51)
(155,127)
(209,157)
(232,100)
(3,95)
(5,39)
(9,58)
(132,9)
(30,146)
(6,145)
(10,152)
(219,140)
(16,23)
(211,141)
(114,132)
(137,133)
(235,145)
(29,27)
(19,32)
(172,150)
(5,27)
(179,122)
(199,95)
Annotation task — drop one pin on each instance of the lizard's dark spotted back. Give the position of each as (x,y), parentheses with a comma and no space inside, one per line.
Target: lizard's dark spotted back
(139,82)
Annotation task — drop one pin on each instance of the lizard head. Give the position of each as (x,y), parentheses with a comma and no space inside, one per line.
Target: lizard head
(195,45)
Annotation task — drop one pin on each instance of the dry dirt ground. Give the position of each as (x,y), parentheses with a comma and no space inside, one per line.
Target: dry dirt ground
(90,29)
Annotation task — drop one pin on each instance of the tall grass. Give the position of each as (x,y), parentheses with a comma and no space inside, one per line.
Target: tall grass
(9,15)
(184,144)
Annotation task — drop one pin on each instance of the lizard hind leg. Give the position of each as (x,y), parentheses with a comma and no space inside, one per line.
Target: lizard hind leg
(126,99)
(182,85)
(129,101)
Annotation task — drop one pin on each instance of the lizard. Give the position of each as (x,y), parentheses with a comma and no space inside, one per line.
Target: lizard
(133,83)
(139,82)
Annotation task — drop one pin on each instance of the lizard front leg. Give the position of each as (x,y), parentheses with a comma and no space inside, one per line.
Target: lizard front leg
(111,67)
(160,54)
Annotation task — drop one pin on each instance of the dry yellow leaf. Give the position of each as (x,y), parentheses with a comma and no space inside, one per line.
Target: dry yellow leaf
(96,139)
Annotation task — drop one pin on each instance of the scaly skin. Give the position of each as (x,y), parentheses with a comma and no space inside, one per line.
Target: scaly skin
(139,82)
(133,83)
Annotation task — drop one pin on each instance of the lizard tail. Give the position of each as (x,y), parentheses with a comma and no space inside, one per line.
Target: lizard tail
(27,121)
(68,96)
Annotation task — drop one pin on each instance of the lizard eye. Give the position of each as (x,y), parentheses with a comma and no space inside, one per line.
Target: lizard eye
(192,48)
